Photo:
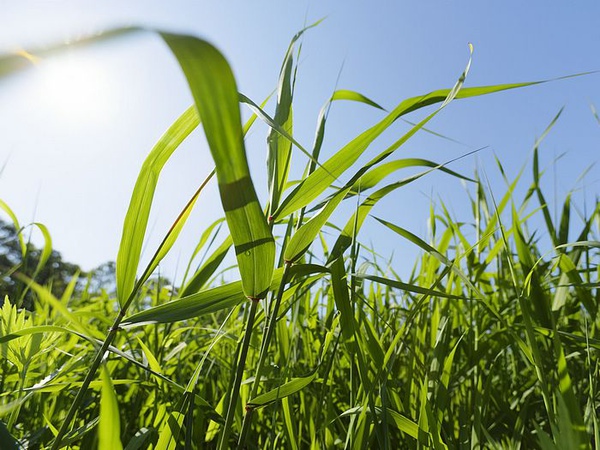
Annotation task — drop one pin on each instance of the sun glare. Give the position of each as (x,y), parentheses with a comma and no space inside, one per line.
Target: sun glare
(75,89)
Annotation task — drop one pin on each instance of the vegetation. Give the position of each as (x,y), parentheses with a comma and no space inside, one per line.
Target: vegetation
(491,342)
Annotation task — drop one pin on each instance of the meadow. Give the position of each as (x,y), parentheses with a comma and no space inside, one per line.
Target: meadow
(490,342)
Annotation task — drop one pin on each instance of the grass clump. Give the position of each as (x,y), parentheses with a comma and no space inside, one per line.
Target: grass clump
(490,342)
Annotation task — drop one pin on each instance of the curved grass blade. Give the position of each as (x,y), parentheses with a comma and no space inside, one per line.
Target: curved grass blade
(279,148)
(312,186)
(403,423)
(306,234)
(194,305)
(373,177)
(259,112)
(285,390)
(46,296)
(411,287)
(109,426)
(7,209)
(339,286)
(41,329)
(204,238)
(210,300)
(173,232)
(323,176)
(345,94)
(209,267)
(170,433)
(216,98)
(47,250)
(136,219)
(444,260)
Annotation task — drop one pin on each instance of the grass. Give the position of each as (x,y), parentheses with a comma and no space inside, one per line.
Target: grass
(491,342)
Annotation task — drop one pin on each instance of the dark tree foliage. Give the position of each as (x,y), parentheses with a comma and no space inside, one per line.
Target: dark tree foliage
(56,273)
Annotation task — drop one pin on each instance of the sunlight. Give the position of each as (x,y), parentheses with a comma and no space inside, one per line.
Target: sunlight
(75,89)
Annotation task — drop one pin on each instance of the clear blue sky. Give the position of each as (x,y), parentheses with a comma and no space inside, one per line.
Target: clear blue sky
(74,171)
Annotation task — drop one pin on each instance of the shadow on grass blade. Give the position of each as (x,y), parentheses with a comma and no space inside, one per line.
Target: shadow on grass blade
(215,94)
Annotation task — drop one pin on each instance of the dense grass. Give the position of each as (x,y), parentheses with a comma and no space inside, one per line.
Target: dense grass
(491,342)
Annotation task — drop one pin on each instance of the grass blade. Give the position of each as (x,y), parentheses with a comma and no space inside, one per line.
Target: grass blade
(136,219)
(215,94)
(285,390)
(109,427)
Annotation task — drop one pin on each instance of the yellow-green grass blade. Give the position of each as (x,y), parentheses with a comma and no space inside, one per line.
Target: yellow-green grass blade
(568,268)
(346,94)
(202,275)
(136,219)
(152,361)
(169,434)
(216,98)
(411,287)
(70,289)
(47,250)
(306,234)
(341,297)
(372,178)
(210,300)
(209,232)
(41,329)
(444,260)
(285,390)
(571,411)
(194,305)
(375,175)
(260,113)
(46,296)
(7,209)
(109,426)
(173,233)
(542,199)
(342,94)
(279,148)
(401,422)
(313,185)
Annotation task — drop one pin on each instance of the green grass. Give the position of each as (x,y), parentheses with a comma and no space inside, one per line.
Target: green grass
(491,342)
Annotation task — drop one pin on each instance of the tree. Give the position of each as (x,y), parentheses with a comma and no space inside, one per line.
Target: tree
(55,273)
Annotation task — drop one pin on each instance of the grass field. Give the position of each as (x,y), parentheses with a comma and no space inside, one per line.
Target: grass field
(491,342)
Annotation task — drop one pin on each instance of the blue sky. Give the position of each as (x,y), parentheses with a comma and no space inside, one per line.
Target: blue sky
(74,149)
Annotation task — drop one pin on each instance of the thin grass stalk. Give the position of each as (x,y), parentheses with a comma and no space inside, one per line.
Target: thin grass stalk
(113,331)
(91,373)
(235,393)
(268,333)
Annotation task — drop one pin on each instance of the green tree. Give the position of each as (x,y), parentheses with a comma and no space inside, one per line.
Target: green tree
(56,273)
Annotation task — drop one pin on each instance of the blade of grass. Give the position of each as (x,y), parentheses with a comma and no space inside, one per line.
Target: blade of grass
(109,427)
(215,94)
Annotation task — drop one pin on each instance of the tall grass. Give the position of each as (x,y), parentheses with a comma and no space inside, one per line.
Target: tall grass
(491,342)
